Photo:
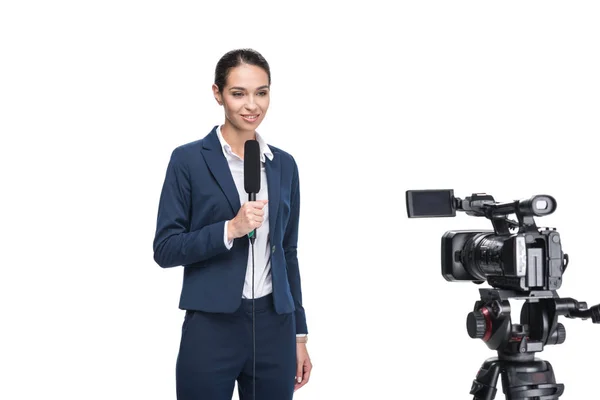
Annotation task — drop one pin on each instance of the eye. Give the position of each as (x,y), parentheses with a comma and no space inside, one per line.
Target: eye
(237,94)
(263,93)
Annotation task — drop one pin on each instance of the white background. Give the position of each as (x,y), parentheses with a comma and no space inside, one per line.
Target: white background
(372,99)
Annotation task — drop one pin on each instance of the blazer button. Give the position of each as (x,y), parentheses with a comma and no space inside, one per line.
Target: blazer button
(273,249)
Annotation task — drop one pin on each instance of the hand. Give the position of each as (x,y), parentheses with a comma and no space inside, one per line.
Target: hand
(303,366)
(249,217)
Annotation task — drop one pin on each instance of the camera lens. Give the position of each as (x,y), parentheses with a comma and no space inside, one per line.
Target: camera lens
(482,255)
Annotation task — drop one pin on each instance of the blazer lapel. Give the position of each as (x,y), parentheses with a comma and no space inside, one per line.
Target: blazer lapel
(218,166)
(273,170)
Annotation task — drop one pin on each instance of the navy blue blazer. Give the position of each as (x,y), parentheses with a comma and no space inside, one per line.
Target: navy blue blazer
(197,197)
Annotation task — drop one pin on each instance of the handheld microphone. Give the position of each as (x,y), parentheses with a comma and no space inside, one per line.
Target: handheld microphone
(252,174)
(252,187)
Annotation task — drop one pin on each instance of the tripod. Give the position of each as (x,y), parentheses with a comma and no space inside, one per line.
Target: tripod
(524,377)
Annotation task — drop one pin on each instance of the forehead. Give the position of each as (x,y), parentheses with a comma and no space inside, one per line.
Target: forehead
(247,76)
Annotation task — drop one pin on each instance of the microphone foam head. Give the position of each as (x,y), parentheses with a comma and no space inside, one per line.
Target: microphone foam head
(252,166)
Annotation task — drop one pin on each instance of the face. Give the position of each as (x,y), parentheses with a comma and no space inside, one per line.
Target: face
(245,97)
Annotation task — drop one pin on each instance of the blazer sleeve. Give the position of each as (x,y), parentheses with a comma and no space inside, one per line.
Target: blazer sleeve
(290,244)
(174,243)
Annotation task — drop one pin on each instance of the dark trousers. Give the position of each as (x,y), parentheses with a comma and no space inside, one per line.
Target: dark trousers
(216,350)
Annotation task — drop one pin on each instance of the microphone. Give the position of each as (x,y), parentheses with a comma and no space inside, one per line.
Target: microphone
(252,187)
(252,174)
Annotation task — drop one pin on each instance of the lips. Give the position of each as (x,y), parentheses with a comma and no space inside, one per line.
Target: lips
(250,117)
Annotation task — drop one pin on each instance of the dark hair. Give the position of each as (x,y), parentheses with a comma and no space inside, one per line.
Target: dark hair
(235,58)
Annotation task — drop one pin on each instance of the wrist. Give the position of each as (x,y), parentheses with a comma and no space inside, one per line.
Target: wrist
(231,232)
(301,339)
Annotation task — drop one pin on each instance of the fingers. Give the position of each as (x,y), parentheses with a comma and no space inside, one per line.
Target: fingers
(306,375)
(302,374)
(254,215)
(255,206)
(299,373)
(259,204)
(250,216)
(299,378)
(254,210)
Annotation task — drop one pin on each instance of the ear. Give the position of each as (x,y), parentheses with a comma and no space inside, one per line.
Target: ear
(217,94)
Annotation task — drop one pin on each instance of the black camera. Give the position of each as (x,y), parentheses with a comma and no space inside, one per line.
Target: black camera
(520,261)
(516,255)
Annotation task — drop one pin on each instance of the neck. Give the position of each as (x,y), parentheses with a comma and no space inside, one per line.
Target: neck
(236,138)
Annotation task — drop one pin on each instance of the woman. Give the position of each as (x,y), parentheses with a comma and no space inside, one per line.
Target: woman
(204,220)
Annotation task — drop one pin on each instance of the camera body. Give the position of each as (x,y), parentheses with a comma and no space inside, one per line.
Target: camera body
(515,256)
(520,261)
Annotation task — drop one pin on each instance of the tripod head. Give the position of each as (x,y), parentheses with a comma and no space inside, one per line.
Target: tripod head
(523,375)
(490,321)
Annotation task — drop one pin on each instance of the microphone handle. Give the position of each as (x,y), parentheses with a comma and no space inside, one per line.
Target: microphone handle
(252,235)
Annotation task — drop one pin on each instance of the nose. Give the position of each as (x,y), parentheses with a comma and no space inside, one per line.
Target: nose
(250,104)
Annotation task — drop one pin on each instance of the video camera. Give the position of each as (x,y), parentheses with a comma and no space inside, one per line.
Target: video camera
(520,261)
(524,259)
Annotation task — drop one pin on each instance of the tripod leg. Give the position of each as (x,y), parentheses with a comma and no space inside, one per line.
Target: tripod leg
(484,385)
(530,380)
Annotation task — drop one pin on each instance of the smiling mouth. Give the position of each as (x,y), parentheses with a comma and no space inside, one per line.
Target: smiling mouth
(250,117)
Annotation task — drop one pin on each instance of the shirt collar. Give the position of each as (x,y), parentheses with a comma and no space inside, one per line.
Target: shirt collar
(265,150)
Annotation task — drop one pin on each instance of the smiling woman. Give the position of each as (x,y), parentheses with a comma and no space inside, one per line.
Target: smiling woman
(243,91)
(244,317)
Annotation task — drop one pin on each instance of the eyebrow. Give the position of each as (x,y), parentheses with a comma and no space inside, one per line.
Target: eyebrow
(243,89)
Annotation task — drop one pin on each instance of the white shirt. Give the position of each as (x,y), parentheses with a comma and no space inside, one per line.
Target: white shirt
(262,263)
